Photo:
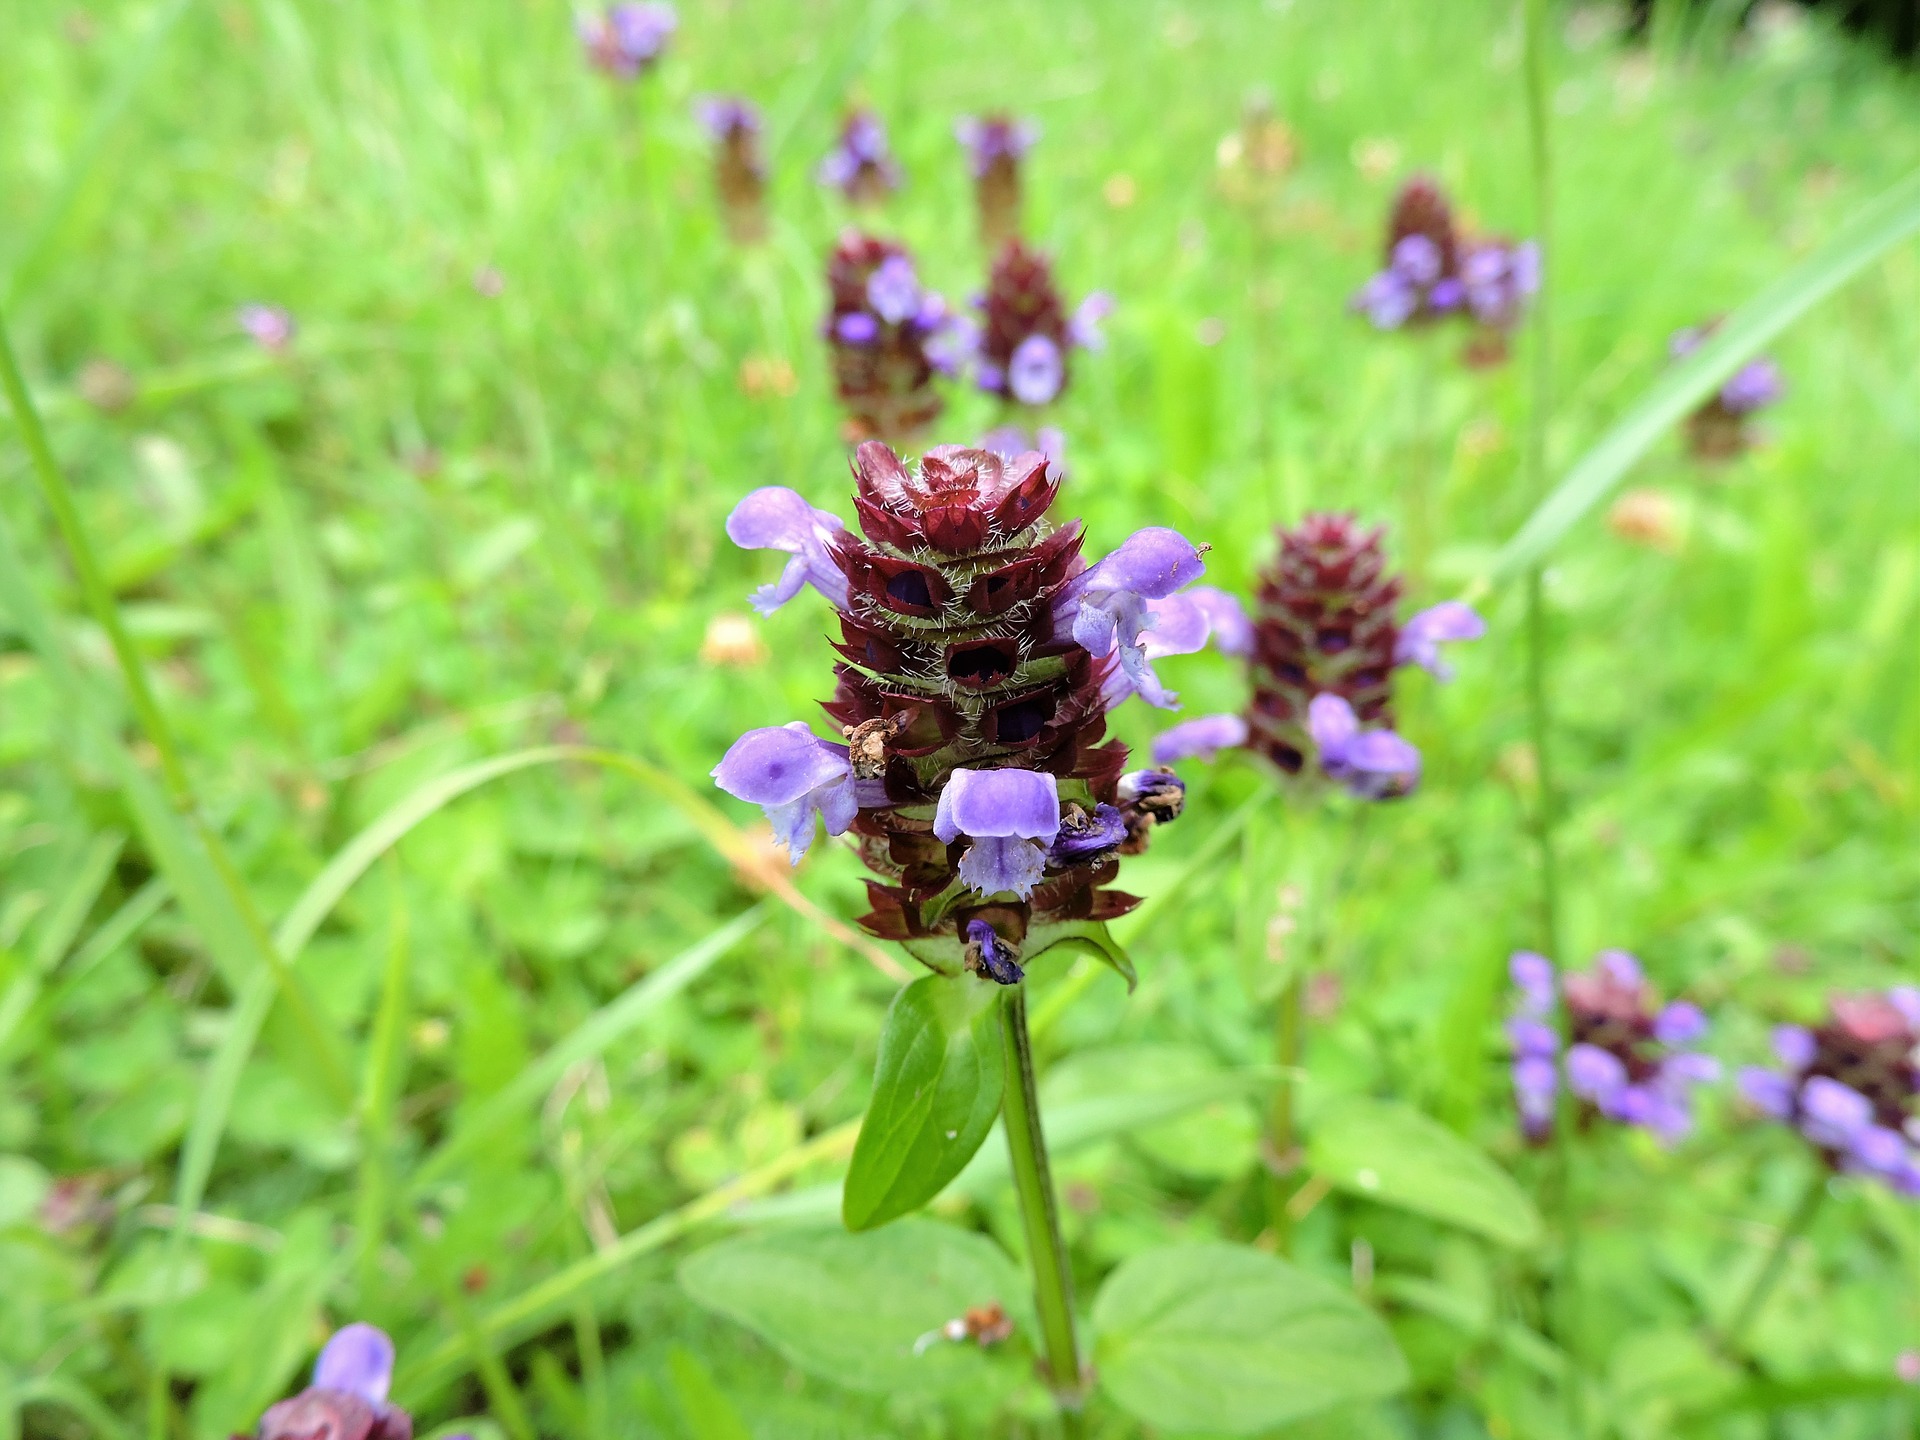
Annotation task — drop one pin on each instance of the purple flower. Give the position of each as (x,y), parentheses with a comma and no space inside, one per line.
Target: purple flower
(994,138)
(860,165)
(1104,608)
(1086,835)
(1199,739)
(1498,278)
(950,349)
(1795,1046)
(721,116)
(1768,1091)
(1833,1114)
(776,518)
(1421,637)
(1083,326)
(627,38)
(1536,1080)
(857,327)
(1754,386)
(1232,630)
(1620,968)
(1680,1023)
(893,290)
(991,956)
(1533,1037)
(1372,764)
(1880,1151)
(1533,974)
(1594,1074)
(359,1360)
(268,326)
(793,775)
(1003,812)
(1388,300)
(1036,371)
(1906,1000)
(1416,259)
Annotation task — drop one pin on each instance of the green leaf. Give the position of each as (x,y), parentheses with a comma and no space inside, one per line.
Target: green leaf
(710,1415)
(936,1091)
(1883,225)
(1229,1339)
(1091,936)
(853,1308)
(1397,1156)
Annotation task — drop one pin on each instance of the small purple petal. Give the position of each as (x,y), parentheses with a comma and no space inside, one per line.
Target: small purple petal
(1377,765)
(1422,636)
(1906,999)
(1447,294)
(776,518)
(1689,1068)
(1533,974)
(269,326)
(1768,1091)
(999,864)
(1083,329)
(1680,1023)
(983,803)
(1621,968)
(1232,630)
(1089,835)
(1387,300)
(1795,1046)
(857,327)
(1833,1114)
(1593,1073)
(1151,563)
(1417,258)
(893,290)
(1199,739)
(990,377)
(1533,1037)
(359,1360)
(1880,1150)
(1331,723)
(1036,371)
(1754,386)
(792,775)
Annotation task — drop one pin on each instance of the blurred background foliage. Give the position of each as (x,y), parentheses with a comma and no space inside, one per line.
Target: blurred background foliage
(477,507)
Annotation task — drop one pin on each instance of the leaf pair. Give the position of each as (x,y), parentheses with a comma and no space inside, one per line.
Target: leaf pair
(1214,1337)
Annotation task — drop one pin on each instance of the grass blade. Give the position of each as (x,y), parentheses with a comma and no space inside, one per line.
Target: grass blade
(62,925)
(591,1038)
(1884,224)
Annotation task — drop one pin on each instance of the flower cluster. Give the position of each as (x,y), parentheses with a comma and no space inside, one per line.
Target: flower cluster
(1848,1085)
(1433,272)
(348,1397)
(1322,647)
(739,169)
(627,40)
(1026,331)
(1628,1059)
(996,144)
(1721,428)
(889,337)
(980,656)
(861,165)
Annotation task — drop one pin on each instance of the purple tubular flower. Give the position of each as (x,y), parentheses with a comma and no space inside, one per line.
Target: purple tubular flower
(358,1358)
(893,290)
(1003,812)
(1083,326)
(628,38)
(1532,1037)
(1416,259)
(1421,637)
(1768,1091)
(721,116)
(793,775)
(1036,371)
(776,518)
(1536,1081)
(1832,1115)
(1795,1046)
(1200,739)
(1372,764)
(1621,968)
(1088,835)
(1104,608)
(857,327)
(994,138)
(1232,631)
(1906,1000)
(954,346)
(1387,300)
(268,326)
(1880,1151)
(1754,386)
(1594,1074)
(991,955)
(1533,974)
(1680,1023)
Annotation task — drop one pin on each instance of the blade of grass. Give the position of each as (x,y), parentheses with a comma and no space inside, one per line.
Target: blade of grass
(1879,228)
(591,1038)
(57,933)
(381,1080)
(118,928)
(74,1398)
(127,82)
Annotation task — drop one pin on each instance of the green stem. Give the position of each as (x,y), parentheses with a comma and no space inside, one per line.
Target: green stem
(1040,1215)
(1776,1261)
(1283,1145)
(153,722)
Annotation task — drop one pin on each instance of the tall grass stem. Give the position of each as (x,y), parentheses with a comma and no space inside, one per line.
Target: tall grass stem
(1775,1264)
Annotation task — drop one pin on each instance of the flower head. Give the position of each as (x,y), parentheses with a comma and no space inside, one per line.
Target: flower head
(861,164)
(996,144)
(739,168)
(977,649)
(889,337)
(1848,1086)
(1721,427)
(1629,1061)
(348,1397)
(627,40)
(1027,333)
(269,326)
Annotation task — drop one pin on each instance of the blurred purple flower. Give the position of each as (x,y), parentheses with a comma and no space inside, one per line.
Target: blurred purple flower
(1199,739)
(1427,630)
(268,326)
(1372,764)
(1036,372)
(994,137)
(627,39)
